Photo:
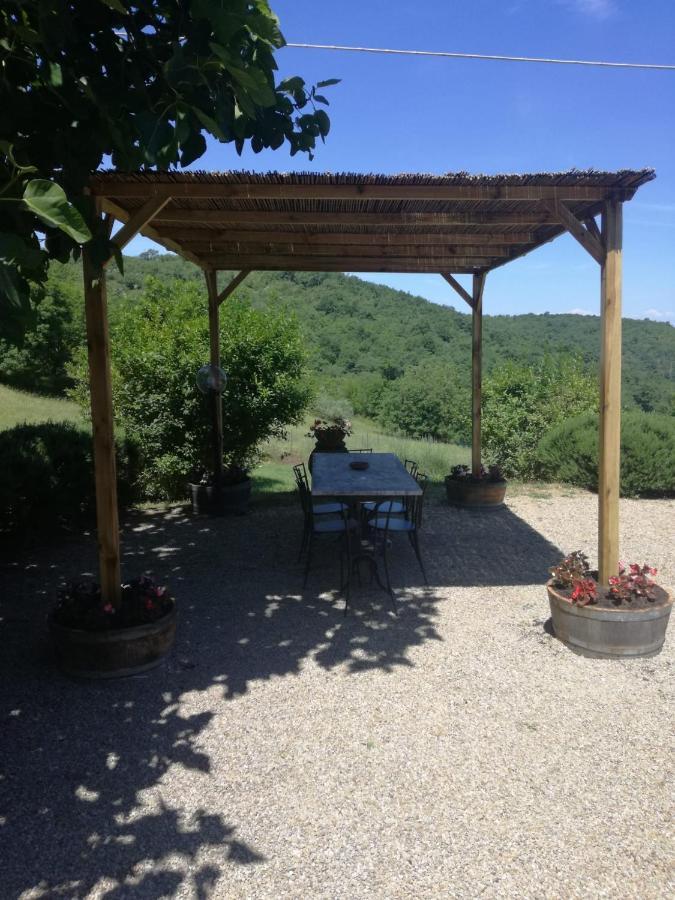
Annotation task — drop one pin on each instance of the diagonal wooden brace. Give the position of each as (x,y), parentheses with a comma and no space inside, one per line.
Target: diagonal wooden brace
(585,236)
(465,295)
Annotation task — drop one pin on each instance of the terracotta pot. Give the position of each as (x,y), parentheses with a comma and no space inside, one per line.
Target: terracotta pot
(475,494)
(614,632)
(114,653)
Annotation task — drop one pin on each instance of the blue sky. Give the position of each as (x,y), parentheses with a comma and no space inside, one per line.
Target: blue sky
(397,114)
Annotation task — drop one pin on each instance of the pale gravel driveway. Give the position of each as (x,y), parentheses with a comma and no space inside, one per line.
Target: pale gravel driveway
(285,751)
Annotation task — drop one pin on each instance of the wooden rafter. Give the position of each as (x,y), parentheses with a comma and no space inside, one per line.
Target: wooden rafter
(233,285)
(592,226)
(441,239)
(346,263)
(216,190)
(368,251)
(455,285)
(283,217)
(580,232)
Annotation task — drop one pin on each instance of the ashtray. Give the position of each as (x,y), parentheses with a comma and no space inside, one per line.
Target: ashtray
(359,464)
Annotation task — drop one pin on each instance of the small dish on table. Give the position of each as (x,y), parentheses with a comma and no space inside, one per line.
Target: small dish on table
(359,464)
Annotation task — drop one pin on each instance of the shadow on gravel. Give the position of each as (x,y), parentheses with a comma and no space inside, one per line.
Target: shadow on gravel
(82,764)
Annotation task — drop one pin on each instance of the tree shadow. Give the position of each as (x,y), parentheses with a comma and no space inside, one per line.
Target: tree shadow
(83,763)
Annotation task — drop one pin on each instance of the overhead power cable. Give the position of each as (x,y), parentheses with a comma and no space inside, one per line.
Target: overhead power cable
(489,56)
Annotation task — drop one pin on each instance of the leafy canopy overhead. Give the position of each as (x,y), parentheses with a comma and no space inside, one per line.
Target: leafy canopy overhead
(140,82)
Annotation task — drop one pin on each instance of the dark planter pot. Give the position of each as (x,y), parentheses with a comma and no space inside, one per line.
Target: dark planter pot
(234,498)
(615,633)
(475,494)
(328,446)
(112,654)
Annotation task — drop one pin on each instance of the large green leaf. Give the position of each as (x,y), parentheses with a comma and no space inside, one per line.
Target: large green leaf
(49,203)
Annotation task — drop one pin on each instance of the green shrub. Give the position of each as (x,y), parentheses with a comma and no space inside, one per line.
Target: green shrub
(429,400)
(569,453)
(47,476)
(521,404)
(157,347)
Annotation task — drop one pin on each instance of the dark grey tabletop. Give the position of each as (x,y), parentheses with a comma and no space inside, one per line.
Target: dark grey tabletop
(386,476)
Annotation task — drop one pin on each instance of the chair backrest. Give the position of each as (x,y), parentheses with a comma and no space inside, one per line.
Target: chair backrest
(411,466)
(362,450)
(302,483)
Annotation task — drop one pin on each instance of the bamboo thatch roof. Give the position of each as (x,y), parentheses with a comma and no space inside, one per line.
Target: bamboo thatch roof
(359,222)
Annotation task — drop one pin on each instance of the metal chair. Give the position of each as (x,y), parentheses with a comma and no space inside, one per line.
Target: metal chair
(384,523)
(319,509)
(395,507)
(341,526)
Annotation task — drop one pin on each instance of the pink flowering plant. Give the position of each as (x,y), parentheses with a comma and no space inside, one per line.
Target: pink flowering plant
(80,605)
(632,581)
(464,473)
(325,427)
(573,576)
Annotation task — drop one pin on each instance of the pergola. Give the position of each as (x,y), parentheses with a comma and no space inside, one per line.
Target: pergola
(451,224)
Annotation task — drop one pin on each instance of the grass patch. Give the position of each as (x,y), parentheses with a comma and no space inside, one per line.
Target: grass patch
(17,407)
(434,457)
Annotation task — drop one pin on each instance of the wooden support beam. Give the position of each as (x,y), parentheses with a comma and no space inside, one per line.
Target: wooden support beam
(215,190)
(124,215)
(476,370)
(233,285)
(139,220)
(345,263)
(588,241)
(283,217)
(610,394)
(214,359)
(100,386)
(344,251)
(188,236)
(321,264)
(455,285)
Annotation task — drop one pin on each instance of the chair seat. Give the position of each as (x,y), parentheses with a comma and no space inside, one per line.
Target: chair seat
(394,506)
(334,526)
(327,509)
(380,524)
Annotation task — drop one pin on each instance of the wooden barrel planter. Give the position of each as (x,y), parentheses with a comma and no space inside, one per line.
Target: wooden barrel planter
(479,494)
(116,652)
(234,498)
(614,632)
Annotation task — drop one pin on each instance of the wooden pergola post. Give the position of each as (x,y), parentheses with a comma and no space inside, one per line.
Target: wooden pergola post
(100,385)
(214,358)
(476,370)
(610,393)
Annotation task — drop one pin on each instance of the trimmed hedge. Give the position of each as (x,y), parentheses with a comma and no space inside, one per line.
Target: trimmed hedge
(47,476)
(569,453)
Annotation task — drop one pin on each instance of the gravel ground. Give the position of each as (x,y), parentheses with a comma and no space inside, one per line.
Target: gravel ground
(287,751)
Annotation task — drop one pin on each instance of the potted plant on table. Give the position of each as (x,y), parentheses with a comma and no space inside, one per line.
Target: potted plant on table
(627,617)
(95,639)
(329,435)
(483,490)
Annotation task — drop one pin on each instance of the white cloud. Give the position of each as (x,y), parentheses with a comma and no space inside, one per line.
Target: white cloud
(595,9)
(660,315)
(578,311)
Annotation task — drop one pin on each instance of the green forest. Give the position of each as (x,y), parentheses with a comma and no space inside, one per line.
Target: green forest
(331,345)
(361,337)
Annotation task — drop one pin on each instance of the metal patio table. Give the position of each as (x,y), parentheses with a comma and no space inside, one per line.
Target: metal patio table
(386,478)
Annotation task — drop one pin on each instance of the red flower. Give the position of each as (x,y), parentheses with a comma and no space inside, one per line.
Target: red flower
(109,608)
(149,604)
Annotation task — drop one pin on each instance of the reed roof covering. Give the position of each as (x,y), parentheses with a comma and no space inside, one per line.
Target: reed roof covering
(358,222)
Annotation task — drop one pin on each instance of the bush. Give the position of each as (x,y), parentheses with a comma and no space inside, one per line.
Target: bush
(429,400)
(157,347)
(47,476)
(569,453)
(521,404)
